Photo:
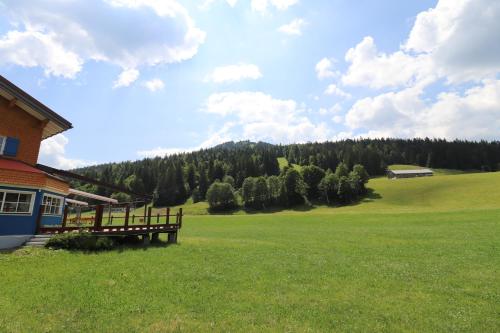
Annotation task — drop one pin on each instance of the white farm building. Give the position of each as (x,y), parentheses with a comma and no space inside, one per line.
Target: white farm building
(394,174)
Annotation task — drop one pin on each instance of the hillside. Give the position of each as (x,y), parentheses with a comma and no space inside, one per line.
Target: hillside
(179,176)
(448,190)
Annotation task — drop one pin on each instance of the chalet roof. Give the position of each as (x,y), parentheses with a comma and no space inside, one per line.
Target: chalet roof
(411,172)
(56,124)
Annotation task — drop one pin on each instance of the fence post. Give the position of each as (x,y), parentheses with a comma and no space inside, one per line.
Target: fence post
(127,214)
(65,217)
(180,218)
(98,217)
(168,215)
(149,216)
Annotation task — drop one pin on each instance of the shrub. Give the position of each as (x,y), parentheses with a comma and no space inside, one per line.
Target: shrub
(80,241)
(220,196)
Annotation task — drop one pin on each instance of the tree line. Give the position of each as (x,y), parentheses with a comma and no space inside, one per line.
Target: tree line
(175,178)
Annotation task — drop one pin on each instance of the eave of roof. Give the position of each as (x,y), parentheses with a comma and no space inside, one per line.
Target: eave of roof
(31,105)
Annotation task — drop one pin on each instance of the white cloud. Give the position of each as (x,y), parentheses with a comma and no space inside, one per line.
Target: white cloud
(338,119)
(460,36)
(337,108)
(333,89)
(262,117)
(60,36)
(233,73)
(453,40)
(369,67)
(32,48)
(293,28)
(154,85)
(263,5)
(474,114)
(52,153)
(324,69)
(126,78)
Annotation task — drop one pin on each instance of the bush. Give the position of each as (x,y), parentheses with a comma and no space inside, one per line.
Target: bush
(220,196)
(80,241)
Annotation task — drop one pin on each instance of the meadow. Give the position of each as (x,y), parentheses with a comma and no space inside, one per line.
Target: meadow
(417,255)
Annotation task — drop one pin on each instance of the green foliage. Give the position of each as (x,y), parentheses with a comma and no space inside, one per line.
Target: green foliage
(312,177)
(274,187)
(220,196)
(248,191)
(121,197)
(228,179)
(261,193)
(328,187)
(341,170)
(293,189)
(80,241)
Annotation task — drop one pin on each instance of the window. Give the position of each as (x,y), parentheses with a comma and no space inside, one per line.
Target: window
(52,204)
(3,139)
(16,202)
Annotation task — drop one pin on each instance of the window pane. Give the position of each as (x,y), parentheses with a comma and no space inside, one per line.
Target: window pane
(1,197)
(23,208)
(26,198)
(12,197)
(10,207)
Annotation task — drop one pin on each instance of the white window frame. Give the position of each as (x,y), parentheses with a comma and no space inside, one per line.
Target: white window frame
(2,203)
(2,143)
(60,208)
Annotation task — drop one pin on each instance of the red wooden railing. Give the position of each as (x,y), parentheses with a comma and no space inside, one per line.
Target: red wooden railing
(148,223)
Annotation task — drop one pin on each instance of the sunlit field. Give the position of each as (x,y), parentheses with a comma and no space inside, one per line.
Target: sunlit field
(420,255)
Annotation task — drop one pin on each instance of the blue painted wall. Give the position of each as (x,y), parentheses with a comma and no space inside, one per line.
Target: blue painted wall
(25,224)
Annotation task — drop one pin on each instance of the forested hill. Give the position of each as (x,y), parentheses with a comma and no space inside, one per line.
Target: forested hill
(187,172)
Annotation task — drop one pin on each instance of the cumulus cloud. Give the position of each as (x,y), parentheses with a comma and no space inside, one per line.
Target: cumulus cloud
(293,28)
(324,69)
(60,36)
(126,78)
(474,114)
(232,73)
(452,40)
(154,85)
(333,89)
(375,69)
(261,117)
(53,151)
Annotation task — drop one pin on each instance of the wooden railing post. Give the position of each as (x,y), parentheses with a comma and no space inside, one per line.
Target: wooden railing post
(168,215)
(127,214)
(149,216)
(98,217)
(65,217)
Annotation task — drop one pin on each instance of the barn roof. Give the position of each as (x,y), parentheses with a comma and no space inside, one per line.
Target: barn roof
(55,123)
(411,172)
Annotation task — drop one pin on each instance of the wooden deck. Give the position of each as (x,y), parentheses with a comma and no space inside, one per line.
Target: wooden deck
(154,225)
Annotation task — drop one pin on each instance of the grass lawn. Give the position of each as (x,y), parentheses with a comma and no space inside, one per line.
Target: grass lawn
(418,255)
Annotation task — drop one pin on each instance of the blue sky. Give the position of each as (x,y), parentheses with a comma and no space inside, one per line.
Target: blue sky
(148,77)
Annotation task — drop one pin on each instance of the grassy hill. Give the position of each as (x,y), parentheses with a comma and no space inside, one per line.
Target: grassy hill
(448,190)
(418,255)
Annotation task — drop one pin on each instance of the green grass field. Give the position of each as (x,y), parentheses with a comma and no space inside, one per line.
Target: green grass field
(417,255)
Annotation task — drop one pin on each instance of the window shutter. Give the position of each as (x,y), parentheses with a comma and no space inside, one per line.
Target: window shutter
(11,146)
